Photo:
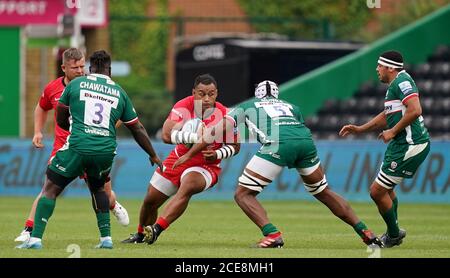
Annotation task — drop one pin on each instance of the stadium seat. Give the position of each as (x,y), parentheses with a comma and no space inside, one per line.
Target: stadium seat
(348,105)
(442,53)
(428,105)
(440,70)
(432,80)
(423,71)
(425,86)
(366,90)
(442,88)
(330,106)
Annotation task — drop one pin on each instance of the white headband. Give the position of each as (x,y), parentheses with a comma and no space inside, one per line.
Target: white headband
(389,63)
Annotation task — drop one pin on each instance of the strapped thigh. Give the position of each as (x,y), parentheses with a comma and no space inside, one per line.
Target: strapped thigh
(387,181)
(316,188)
(313,188)
(308,171)
(257,165)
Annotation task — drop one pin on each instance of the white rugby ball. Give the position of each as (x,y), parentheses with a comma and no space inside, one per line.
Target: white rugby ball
(192,126)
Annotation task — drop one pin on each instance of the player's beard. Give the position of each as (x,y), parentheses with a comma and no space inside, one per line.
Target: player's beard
(382,78)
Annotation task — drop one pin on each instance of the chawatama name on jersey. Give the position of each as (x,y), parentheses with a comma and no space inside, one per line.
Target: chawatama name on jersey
(99,88)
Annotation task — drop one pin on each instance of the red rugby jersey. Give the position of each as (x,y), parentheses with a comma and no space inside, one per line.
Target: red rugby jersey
(183,110)
(48,101)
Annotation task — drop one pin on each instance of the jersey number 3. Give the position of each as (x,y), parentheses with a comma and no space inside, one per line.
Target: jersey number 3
(97,108)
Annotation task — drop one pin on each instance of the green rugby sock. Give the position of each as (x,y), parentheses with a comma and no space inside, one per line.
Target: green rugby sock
(395,206)
(103,222)
(44,211)
(359,228)
(269,229)
(391,222)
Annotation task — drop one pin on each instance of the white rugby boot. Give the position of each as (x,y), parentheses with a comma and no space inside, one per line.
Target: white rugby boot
(121,214)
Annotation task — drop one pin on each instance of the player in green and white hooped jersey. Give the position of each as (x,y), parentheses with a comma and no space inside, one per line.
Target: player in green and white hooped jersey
(409,141)
(286,142)
(89,108)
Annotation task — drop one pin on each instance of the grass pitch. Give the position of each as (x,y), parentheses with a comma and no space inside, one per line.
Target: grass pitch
(211,229)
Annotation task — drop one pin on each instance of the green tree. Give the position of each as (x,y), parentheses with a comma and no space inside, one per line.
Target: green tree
(407,12)
(143,43)
(345,16)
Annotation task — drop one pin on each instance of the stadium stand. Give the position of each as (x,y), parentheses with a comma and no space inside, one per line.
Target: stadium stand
(433,81)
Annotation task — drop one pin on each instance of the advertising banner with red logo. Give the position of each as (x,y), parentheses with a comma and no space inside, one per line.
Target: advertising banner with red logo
(25,12)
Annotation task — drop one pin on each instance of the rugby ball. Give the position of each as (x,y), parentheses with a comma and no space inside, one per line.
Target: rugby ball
(192,126)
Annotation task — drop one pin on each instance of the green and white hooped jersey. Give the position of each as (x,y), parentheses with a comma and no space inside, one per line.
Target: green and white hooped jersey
(271,120)
(402,88)
(96,103)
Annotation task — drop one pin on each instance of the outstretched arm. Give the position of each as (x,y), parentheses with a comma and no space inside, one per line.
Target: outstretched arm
(378,122)
(141,137)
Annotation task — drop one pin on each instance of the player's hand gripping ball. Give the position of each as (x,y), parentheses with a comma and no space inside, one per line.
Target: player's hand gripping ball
(193,126)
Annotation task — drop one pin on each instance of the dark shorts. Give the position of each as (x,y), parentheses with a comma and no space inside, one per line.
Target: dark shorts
(71,164)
